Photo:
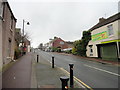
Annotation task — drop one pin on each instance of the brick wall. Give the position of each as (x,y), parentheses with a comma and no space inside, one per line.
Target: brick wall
(8,28)
(59,43)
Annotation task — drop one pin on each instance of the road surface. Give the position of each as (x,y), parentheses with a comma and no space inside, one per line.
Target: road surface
(93,74)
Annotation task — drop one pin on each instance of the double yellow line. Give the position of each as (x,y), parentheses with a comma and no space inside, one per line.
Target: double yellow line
(78,80)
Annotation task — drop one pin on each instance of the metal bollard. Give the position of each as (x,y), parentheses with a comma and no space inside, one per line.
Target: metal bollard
(64,81)
(37,58)
(71,75)
(52,61)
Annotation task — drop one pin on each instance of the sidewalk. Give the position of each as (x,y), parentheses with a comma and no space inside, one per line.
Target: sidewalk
(19,74)
(48,77)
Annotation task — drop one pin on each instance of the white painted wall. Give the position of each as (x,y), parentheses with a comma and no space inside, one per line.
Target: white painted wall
(102,29)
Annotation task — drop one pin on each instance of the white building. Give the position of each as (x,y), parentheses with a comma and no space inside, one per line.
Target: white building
(105,41)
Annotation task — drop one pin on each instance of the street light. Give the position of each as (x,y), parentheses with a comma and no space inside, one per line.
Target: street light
(23,34)
(23,25)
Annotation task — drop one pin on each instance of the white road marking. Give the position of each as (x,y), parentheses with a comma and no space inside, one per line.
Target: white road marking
(102,70)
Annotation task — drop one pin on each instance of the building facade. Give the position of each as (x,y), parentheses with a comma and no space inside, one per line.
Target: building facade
(1,19)
(105,41)
(59,43)
(26,45)
(8,32)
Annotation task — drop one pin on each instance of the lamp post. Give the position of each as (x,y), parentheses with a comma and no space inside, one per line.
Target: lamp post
(23,35)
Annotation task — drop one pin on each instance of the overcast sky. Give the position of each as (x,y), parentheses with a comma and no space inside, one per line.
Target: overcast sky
(62,18)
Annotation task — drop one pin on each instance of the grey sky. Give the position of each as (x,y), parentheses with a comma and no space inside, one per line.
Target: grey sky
(62,18)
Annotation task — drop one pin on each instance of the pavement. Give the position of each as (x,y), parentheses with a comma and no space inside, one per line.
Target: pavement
(47,77)
(19,74)
(27,73)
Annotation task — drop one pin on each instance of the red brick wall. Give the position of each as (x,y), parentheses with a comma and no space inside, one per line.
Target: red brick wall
(56,43)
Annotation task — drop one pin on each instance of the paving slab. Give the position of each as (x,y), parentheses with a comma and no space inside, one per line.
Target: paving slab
(48,77)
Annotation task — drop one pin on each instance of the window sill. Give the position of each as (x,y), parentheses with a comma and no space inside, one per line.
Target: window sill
(111,36)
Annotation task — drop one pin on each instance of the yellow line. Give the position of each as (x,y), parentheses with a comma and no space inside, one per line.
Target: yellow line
(78,80)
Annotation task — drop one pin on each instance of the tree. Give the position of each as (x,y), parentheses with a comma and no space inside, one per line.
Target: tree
(80,45)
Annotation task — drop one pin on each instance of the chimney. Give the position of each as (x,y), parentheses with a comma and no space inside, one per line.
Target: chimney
(101,19)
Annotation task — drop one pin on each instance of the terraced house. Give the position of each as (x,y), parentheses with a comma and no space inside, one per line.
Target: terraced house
(8,33)
(105,42)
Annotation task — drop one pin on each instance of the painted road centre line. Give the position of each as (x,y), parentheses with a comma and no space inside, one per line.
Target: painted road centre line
(83,84)
(102,70)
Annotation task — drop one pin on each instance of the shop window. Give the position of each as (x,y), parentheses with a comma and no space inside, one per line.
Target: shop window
(110,30)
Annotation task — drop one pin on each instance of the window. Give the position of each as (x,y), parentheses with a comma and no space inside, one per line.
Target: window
(11,23)
(1,9)
(91,50)
(61,42)
(9,47)
(110,30)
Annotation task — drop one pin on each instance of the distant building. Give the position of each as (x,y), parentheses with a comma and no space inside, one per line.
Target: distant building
(8,33)
(70,44)
(27,45)
(40,46)
(105,41)
(59,43)
(18,40)
(18,37)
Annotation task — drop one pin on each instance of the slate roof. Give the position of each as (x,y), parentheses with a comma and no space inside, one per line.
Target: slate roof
(106,21)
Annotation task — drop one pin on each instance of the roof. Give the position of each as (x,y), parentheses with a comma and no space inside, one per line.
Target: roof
(10,10)
(106,21)
(68,42)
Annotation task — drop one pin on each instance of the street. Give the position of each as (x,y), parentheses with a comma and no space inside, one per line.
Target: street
(93,74)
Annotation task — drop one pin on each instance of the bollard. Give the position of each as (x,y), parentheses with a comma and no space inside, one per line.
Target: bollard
(37,58)
(64,81)
(52,61)
(71,75)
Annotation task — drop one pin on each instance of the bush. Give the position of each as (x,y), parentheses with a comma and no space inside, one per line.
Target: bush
(17,53)
(80,45)
(54,49)
(74,51)
(68,51)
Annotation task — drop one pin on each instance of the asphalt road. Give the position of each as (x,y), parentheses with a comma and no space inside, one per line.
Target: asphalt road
(94,74)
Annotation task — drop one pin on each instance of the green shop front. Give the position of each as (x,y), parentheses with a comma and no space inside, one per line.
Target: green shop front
(108,50)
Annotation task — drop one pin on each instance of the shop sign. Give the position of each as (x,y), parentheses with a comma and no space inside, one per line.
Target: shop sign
(100,36)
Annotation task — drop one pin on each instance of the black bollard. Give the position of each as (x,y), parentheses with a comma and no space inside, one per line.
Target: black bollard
(52,61)
(71,75)
(64,81)
(37,58)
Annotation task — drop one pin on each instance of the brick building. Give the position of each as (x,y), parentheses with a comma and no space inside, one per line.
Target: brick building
(26,45)
(59,43)
(8,32)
